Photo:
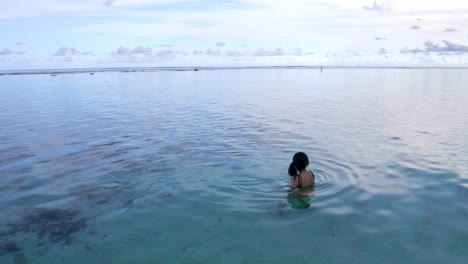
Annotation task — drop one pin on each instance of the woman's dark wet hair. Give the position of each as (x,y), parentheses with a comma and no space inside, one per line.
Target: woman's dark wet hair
(300,162)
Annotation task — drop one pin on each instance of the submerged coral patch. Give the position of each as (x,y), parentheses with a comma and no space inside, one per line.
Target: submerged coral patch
(97,194)
(8,246)
(58,225)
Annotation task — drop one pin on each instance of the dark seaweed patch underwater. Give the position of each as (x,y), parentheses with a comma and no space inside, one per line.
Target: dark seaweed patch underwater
(56,225)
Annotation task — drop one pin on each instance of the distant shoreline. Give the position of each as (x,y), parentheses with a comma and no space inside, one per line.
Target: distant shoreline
(194,68)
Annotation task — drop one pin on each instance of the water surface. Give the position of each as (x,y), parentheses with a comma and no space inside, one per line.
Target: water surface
(188,167)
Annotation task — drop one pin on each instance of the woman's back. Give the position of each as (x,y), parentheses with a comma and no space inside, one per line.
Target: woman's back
(303,179)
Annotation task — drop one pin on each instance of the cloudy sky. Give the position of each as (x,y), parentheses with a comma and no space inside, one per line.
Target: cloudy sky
(100,33)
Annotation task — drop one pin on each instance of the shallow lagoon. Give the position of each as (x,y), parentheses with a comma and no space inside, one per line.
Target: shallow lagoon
(186,167)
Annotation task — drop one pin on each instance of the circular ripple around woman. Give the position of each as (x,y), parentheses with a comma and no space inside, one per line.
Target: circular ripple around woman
(333,179)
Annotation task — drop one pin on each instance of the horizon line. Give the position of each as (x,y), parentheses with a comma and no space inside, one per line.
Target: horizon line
(202,68)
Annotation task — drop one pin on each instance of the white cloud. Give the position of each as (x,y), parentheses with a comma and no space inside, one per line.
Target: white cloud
(7,51)
(256,57)
(108,2)
(265,52)
(305,21)
(261,52)
(141,54)
(447,46)
(374,7)
(124,51)
(237,53)
(141,3)
(66,51)
(297,52)
(71,55)
(211,52)
(26,8)
(313,26)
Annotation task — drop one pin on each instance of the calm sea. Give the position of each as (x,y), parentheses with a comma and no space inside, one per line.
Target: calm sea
(191,166)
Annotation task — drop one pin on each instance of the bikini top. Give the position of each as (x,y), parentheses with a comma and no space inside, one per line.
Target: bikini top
(300,179)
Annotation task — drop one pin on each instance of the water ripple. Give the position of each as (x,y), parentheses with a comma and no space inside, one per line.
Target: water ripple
(169,151)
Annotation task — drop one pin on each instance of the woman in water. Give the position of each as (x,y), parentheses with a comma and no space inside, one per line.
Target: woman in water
(300,177)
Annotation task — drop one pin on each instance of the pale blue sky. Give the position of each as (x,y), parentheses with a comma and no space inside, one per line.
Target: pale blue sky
(98,33)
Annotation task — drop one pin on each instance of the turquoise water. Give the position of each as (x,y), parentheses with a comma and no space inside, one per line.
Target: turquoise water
(191,167)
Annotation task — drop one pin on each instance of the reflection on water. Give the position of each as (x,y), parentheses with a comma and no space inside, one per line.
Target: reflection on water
(301,199)
(182,167)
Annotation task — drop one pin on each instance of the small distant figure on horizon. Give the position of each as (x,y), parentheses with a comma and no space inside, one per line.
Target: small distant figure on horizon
(300,176)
